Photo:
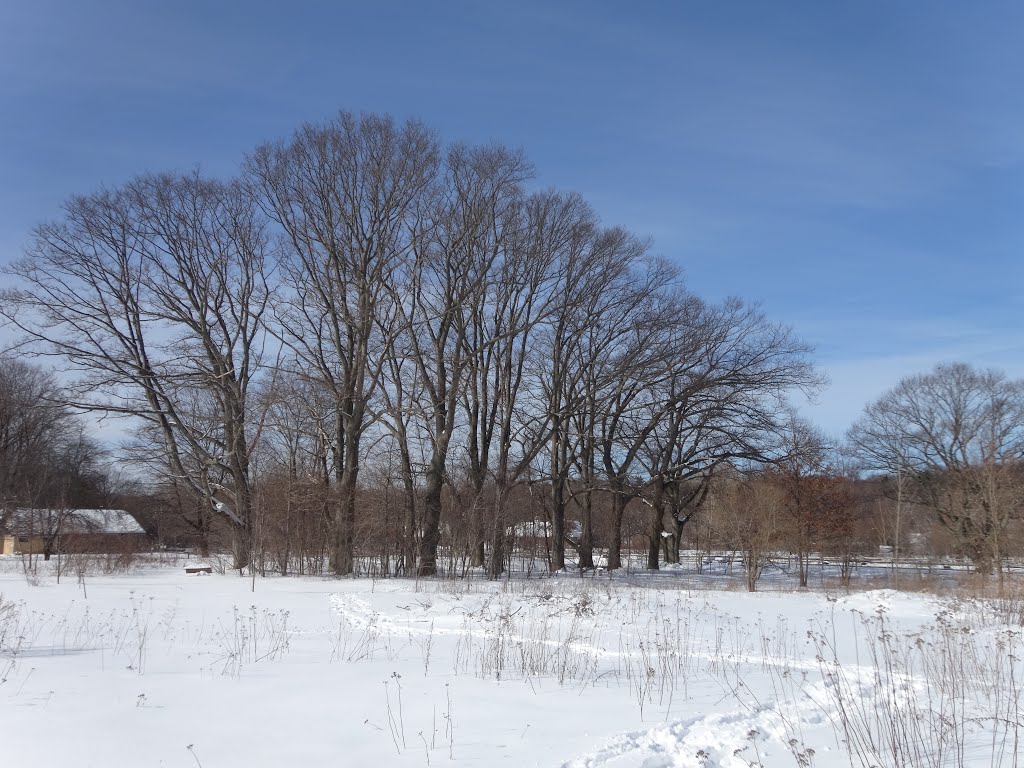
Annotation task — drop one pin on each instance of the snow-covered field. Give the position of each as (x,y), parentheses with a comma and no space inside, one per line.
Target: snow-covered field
(156,668)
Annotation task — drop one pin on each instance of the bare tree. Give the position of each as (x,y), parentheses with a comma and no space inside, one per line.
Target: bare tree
(345,194)
(48,463)
(602,283)
(719,393)
(71,478)
(817,499)
(520,298)
(751,510)
(154,294)
(294,466)
(957,434)
(631,407)
(33,426)
(461,237)
(399,394)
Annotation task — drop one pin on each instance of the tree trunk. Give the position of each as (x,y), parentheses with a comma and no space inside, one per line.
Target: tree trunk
(202,526)
(343,551)
(657,526)
(753,564)
(497,565)
(431,520)
(557,523)
(409,516)
(478,555)
(674,542)
(345,523)
(615,546)
(587,532)
(241,546)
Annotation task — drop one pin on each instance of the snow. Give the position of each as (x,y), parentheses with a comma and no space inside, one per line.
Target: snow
(153,667)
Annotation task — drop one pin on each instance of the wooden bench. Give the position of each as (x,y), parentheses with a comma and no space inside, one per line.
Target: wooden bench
(189,570)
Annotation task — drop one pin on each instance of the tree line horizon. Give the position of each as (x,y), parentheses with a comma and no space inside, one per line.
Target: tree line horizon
(365,306)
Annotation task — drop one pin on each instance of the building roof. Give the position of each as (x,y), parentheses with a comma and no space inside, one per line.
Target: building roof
(28,522)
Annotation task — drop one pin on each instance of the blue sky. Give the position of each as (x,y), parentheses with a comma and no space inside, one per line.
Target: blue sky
(857,168)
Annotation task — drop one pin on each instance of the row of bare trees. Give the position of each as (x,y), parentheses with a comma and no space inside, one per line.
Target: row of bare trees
(365,297)
(806,507)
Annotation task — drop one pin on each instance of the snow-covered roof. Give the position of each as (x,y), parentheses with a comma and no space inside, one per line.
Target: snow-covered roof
(104,521)
(27,522)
